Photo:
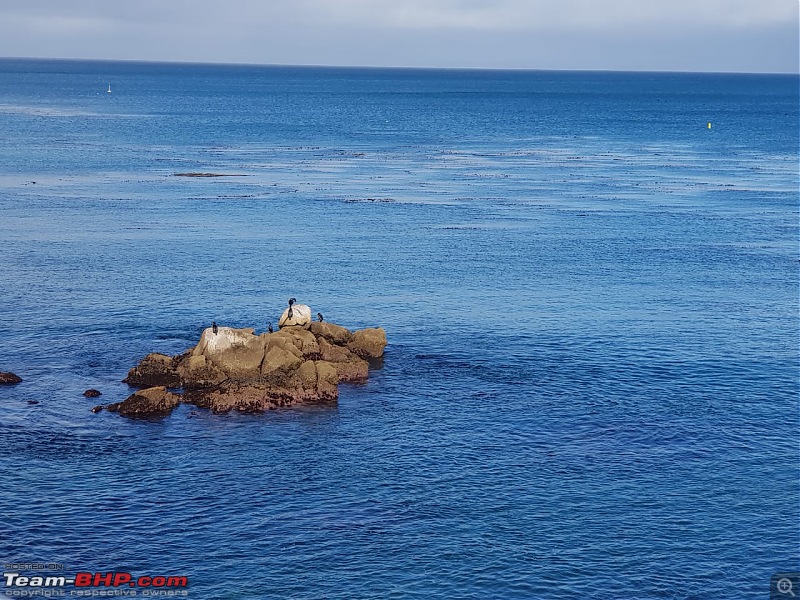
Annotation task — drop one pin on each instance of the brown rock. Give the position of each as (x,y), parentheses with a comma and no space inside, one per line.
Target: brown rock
(335,334)
(305,342)
(97,409)
(369,342)
(279,359)
(92,393)
(154,370)
(355,371)
(233,395)
(318,381)
(327,381)
(198,371)
(284,340)
(313,382)
(351,368)
(297,340)
(9,379)
(150,402)
(254,397)
(332,352)
(306,375)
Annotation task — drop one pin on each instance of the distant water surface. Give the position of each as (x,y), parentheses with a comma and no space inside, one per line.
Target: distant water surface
(591,386)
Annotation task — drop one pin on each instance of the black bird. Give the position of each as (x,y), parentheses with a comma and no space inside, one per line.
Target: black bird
(214,326)
(269,327)
(290,314)
(319,317)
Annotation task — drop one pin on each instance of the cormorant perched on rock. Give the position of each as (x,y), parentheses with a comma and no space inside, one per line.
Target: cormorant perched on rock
(269,327)
(214,326)
(319,317)
(295,315)
(291,312)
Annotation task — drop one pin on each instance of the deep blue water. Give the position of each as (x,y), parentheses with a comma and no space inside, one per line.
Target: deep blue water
(591,299)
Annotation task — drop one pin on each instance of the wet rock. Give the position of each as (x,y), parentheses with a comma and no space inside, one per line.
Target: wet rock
(154,370)
(369,342)
(313,382)
(97,409)
(150,402)
(9,379)
(92,393)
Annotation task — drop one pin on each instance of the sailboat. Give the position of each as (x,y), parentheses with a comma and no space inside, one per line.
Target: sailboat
(109,88)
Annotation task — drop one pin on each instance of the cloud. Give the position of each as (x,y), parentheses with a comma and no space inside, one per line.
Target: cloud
(600,34)
(535,15)
(562,15)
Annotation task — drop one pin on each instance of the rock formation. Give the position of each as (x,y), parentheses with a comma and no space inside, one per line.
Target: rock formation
(236,369)
(9,379)
(154,401)
(154,369)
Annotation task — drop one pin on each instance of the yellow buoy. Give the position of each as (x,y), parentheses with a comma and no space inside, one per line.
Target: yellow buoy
(709,124)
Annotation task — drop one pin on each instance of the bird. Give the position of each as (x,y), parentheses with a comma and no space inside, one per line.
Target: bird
(214,326)
(269,327)
(290,314)
(319,317)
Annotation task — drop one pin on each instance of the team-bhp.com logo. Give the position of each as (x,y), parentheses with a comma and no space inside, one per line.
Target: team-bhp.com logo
(95,584)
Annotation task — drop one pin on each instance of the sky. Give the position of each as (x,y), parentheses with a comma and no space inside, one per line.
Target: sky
(641,35)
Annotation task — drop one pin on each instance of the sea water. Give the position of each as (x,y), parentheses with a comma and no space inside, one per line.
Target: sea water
(589,283)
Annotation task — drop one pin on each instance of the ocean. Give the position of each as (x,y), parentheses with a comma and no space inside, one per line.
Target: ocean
(589,284)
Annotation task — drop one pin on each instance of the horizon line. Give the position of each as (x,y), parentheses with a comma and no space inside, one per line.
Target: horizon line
(387,67)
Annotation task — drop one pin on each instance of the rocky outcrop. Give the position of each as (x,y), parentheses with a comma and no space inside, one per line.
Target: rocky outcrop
(368,343)
(151,402)
(9,379)
(154,369)
(92,393)
(236,369)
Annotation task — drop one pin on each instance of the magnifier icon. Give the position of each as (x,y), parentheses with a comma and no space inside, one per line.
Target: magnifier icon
(785,586)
